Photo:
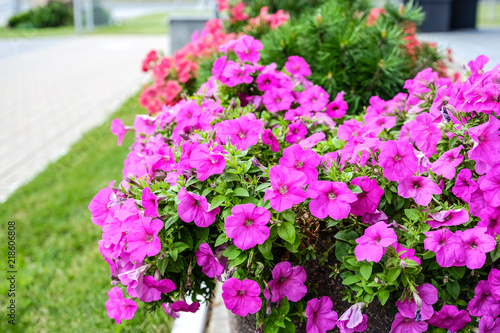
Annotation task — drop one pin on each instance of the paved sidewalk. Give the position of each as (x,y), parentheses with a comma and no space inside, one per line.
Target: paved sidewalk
(466,45)
(53,90)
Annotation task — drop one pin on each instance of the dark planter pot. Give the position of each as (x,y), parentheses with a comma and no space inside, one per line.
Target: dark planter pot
(319,283)
(182,28)
(463,14)
(437,15)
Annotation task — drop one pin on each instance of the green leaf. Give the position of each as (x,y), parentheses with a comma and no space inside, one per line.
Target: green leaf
(388,196)
(287,232)
(217,201)
(383,296)
(265,249)
(290,328)
(346,235)
(393,274)
(231,177)
(232,252)
(412,214)
(173,253)
(366,271)
(289,216)
(351,279)
(355,189)
(459,271)
(180,246)
(252,200)
(341,250)
(262,187)
(239,260)
(495,254)
(162,264)
(453,287)
(171,220)
(284,307)
(221,240)
(240,192)
(202,233)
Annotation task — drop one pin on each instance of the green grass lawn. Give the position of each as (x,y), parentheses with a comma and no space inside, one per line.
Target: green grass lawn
(154,24)
(485,13)
(62,280)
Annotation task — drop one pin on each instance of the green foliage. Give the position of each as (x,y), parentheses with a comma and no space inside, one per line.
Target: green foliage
(293,7)
(54,14)
(347,54)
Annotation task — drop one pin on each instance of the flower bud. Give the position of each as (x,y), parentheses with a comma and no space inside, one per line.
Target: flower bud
(403,264)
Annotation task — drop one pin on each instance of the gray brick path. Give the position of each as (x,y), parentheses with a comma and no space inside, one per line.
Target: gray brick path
(53,90)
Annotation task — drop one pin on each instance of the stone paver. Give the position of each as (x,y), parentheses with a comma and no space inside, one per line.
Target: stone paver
(54,92)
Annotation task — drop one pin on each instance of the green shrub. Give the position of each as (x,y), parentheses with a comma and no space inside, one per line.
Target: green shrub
(54,14)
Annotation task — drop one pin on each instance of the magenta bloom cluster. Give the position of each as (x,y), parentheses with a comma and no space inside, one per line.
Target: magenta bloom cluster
(227,183)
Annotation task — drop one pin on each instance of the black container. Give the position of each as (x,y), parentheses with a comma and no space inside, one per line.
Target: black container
(437,15)
(463,14)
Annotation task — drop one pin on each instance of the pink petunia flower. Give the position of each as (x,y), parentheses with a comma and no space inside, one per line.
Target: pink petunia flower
(286,188)
(330,199)
(150,290)
(404,253)
(267,81)
(446,246)
(118,307)
(368,200)
(352,131)
(314,98)
(288,282)
(144,124)
(297,66)
(205,257)
(398,160)
(312,140)
(464,185)
(483,303)
(448,218)
(193,207)
(207,162)
(489,324)
(247,49)
(403,324)
(486,151)
(143,239)
(446,163)
(490,219)
(149,202)
(450,318)
(491,186)
(337,108)
(320,316)
(181,306)
(173,310)
(118,129)
(305,161)
(494,283)
(278,99)
(428,295)
(243,132)
(372,245)
(269,139)
(241,297)
(248,225)
(296,131)
(476,243)
(425,134)
(100,204)
(353,320)
(419,188)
